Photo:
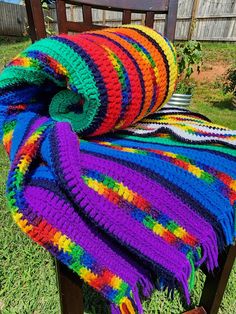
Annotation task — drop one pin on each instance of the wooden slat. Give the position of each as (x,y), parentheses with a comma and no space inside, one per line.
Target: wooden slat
(79,27)
(87,15)
(149,19)
(61,16)
(219,16)
(9,23)
(134,5)
(37,28)
(171,17)
(126,18)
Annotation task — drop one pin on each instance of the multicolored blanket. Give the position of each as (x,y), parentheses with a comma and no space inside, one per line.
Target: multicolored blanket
(128,211)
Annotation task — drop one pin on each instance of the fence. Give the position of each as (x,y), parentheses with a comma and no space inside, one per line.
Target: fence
(13,19)
(213,20)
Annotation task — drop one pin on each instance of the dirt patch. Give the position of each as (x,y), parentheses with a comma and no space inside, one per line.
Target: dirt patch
(210,72)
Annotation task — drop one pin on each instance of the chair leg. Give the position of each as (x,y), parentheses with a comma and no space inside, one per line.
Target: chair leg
(215,283)
(70,289)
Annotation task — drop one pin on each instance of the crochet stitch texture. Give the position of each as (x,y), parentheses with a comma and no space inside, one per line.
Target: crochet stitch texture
(131,210)
(102,80)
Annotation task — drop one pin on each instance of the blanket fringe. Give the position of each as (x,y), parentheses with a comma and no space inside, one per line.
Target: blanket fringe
(127,307)
(146,286)
(137,300)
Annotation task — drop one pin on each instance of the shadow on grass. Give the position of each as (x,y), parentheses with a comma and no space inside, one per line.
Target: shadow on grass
(223,104)
(94,303)
(13,39)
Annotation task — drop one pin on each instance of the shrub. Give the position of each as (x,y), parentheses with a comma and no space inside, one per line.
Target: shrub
(189,58)
(229,85)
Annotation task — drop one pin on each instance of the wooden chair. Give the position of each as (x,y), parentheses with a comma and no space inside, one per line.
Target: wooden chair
(69,284)
(149,7)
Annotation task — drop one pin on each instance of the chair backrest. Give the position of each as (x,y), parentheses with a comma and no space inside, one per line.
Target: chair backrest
(149,7)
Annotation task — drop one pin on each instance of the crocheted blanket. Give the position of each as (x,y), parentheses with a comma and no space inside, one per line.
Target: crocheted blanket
(131,210)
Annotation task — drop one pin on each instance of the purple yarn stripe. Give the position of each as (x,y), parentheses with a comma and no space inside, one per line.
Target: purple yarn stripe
(111,218)
(161,199)
(62,216)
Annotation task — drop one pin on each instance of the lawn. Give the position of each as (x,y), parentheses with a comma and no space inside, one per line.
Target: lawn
(27,272)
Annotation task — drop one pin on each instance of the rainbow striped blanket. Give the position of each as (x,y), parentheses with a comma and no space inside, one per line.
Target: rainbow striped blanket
(129,199)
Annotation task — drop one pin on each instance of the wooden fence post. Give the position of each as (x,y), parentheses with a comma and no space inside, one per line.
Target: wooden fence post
(104,20)
(229,31)
(193,19)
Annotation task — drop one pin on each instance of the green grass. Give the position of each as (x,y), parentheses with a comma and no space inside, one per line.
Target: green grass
(208,97)
(10,47)
(27,272)
(219,52)
(209,100)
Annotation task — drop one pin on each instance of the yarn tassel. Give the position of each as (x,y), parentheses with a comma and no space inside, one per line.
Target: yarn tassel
(190,257)
(146,286)
(137,300)
(184,284)
(202,258)
(209,253)
(126,307)
(227,225)
(211,261)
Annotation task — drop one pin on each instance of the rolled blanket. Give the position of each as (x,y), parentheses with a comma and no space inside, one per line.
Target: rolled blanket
(98,81)
(131,210)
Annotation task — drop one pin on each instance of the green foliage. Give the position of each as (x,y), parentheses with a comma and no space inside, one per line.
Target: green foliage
(46,4)
(185,87)
(48,21)
(230,81)
(189,54)
(189,57)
